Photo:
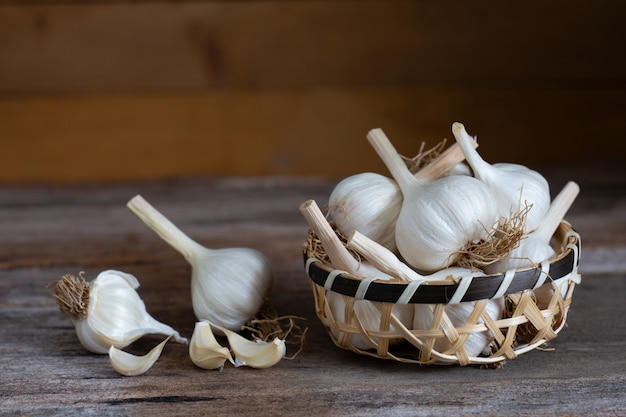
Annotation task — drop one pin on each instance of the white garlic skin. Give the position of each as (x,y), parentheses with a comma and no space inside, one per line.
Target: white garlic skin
(116,314)
(441,218)
(476,343)
(530,252)
(514,186)
(367,202)
(229,286)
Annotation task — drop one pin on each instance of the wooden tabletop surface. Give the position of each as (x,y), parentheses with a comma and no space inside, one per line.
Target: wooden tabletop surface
(47,231)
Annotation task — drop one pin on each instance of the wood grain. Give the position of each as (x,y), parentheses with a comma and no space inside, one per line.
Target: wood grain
(312,132)
(47,231)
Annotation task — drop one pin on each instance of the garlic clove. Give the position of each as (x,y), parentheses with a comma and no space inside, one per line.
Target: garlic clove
(108,311)
(255,354)
(132,365)
(205,351)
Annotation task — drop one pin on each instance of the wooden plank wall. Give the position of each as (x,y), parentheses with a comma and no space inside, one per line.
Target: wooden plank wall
(109,91)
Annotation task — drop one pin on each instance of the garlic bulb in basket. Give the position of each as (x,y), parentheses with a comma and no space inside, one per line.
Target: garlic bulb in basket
(365,311)
(228,286)
(108,311)
(370,202)
(456,314)
(535,247)
(513,185)
(437,217)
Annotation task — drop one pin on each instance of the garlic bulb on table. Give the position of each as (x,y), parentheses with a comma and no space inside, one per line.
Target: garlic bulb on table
(108,311)
(370,202)
(513,185)
(535,247)
(368,313)
(437,217)
(456,315)
(228,286)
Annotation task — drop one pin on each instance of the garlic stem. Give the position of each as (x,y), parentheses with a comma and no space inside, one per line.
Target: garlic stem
(335,249)
(556,212)
(382,258)
(392,160)
(441,165)
(167,230)
(482,169)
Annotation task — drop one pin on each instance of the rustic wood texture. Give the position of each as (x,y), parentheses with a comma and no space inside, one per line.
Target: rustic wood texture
(137,90)
(47,231)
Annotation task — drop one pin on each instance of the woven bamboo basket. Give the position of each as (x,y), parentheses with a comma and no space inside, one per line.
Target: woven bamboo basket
(523,326)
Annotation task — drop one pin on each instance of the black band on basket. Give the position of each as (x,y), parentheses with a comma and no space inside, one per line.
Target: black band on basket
(478,288)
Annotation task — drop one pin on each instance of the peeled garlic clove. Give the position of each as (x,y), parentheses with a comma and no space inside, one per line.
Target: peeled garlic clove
(205,351)
(108,311)
(131,365)
(255,354)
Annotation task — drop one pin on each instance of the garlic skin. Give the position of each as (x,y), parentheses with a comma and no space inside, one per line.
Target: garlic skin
(228,286)
(368,202)
(513,185)
(535,247)
(437,217)
(128,364)
(114,314)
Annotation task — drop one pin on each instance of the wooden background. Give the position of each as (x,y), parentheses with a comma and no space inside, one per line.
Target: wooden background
(125,90)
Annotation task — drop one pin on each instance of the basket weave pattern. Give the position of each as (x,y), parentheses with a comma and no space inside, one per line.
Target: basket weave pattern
(526,324)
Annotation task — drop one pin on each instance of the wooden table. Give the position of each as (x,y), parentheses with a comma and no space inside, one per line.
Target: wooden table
(48,231)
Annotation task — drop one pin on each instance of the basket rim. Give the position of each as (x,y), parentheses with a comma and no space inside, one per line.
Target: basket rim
(469,288)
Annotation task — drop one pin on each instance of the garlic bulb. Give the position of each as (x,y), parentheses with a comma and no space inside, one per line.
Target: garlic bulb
(367,313)
(457,314)
(437,217)
(132,365)
(535,247)
(228,286)
(513,185)
(370,202)
(108,311)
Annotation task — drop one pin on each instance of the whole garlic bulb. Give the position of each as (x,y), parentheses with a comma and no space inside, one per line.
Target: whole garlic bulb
(437,217)
(228,286)
(108,311)
(513,185)
(368,202)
